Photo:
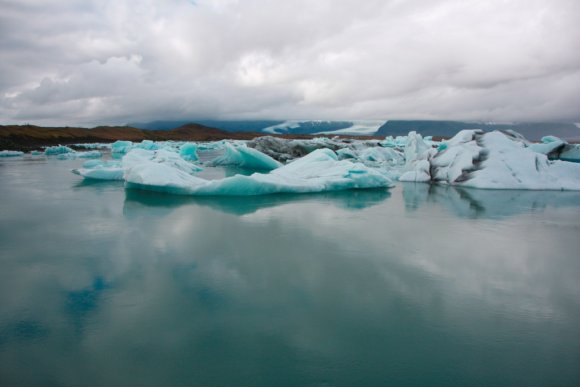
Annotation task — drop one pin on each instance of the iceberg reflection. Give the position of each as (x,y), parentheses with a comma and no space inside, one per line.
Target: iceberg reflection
(486,204)
(136,201)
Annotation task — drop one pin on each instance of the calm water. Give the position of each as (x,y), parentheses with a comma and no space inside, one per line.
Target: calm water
(418,285)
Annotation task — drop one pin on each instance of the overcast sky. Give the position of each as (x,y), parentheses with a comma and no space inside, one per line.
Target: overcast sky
(93,62)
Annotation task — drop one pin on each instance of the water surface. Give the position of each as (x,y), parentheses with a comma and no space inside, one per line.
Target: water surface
(415,285)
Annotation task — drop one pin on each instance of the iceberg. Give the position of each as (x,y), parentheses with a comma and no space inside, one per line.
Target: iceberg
(147,145)
(101,170)
(58,150)
(83,155)
(382,155)
(162,157)
(556,148)
(95,145)
(188,151)
(493,160)
(114,169)
(417,154)
(550,146)
(397,142)
(319,171)
(9,153)
(121,146)
(245,157)
(284,150)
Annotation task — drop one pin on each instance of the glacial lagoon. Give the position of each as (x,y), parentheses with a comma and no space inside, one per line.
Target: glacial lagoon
(416,284)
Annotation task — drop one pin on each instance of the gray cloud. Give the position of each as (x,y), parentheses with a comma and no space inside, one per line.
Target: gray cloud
(93,62)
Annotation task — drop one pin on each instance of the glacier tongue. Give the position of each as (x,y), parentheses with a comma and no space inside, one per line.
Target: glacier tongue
(319,171)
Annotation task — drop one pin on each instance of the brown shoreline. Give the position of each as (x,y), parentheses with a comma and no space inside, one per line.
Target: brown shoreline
(31,137)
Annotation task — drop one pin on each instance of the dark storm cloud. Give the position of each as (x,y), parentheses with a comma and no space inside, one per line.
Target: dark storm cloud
(91,62)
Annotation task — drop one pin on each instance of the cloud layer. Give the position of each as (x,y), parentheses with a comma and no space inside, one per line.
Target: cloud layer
(93,62)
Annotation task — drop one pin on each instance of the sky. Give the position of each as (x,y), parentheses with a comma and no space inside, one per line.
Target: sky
(89,62)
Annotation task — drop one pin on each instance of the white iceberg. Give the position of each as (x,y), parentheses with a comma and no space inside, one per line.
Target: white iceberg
(147,145)
(493,160)
(245,157)
(95,154)
(319,171)
(114,169)
(101,170)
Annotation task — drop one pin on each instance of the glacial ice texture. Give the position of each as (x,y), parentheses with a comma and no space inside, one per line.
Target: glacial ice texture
(319,171)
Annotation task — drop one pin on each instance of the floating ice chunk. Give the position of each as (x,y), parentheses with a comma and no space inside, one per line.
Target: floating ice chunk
(121,146)
(391,142)
(283,150)
(319,171)
(417,154)
(382,155)
(36,153)
(188,151)
(495,160)
(245,157)
(162,156)
(83,155)
(550,146)
(58,150)
(10,153)
(101,170)
(96,145)
(147,145)
(114,169)
(556,148)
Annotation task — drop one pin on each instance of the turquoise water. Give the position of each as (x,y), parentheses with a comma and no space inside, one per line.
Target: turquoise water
(417,285)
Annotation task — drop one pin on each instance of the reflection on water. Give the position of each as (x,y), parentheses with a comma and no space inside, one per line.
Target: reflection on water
(479,203)
(418,285)
(355,199)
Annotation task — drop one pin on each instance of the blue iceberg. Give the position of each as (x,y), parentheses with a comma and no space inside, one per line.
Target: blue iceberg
(245,157)
(121,146)
(188,151)
(319,171)
(58,150)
